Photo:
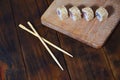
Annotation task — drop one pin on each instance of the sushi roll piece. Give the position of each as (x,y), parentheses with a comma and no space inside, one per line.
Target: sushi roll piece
(88,13)
(75,13)
(101,14)
(62,12)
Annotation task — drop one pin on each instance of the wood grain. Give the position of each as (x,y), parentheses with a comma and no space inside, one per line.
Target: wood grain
(38,62)
(88,63)
(93,33)
(23,57)
(11,60)
(85,64)
(112,50)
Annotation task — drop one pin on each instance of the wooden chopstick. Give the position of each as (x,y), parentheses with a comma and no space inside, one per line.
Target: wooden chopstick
(39,37)
(48,42)
(56,47)
(24,28)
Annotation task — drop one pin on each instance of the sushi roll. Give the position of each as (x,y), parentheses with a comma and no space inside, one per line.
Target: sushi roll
(101,14)
(75,13)
(88,13)
(62,12)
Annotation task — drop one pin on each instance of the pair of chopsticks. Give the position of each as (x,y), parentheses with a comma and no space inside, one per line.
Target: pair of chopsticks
(44,41)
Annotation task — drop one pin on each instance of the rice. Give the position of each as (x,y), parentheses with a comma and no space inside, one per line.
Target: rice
(75,13)
(101,14)
(62,12)
(88,13)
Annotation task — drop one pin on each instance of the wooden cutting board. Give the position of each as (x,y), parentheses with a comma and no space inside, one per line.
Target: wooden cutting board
(93,33)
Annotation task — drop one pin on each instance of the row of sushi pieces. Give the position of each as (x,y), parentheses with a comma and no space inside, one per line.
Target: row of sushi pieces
(76,14)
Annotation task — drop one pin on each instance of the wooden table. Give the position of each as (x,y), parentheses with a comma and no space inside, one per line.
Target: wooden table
(23,57)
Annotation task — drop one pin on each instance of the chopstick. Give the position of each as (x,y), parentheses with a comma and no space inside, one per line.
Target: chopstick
(50,52)
(56,47)
(44,41)
(48,42)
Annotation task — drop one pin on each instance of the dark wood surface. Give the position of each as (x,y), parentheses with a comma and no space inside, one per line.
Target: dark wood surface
(23,57)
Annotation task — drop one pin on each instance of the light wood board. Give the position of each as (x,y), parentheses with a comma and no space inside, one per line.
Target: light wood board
(93,33)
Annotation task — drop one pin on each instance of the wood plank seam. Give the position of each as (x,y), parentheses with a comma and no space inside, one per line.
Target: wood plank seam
(108,62)
(10,54)
(93,76)
(61,46)
(42,66)
(57,35)
(63,54)
(21,51)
